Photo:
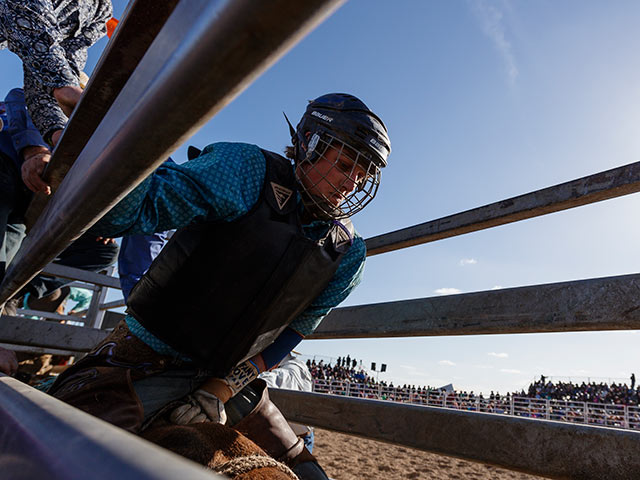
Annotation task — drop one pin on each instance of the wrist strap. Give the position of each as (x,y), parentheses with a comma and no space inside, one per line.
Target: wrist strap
(241,376)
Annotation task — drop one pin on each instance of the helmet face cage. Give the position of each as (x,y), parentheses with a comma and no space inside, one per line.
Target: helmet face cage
(337,180)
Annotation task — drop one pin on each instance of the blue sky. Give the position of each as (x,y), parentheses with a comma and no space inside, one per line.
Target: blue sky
(484,100)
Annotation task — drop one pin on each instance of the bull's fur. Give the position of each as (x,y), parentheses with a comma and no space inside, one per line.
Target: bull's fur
(217,447)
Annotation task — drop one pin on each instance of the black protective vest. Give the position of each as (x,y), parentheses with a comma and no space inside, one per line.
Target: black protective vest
(223,291)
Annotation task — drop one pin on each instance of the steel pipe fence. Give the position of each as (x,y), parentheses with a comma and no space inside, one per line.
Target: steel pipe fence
(170,68)
(571,411)
(93,317)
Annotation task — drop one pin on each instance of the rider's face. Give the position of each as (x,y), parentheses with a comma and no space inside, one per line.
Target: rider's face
(333,176)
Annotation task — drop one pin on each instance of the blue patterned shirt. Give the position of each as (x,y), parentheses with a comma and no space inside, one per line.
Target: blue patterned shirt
(223,183)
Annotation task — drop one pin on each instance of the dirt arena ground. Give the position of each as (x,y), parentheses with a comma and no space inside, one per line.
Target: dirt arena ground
(351,458)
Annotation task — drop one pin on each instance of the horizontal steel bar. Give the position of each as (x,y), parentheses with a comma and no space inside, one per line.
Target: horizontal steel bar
(37,350)
(593,188)
(137,29)
(190,82)
(62,271)
(42,437)
(84,285)
(547,448)
(585,305)
(39,333)
(51,315)
(610,303)
(114,304)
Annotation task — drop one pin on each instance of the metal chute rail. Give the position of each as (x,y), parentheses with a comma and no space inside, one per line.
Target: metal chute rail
(193,28)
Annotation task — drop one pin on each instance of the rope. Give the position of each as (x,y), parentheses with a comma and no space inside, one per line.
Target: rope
(241,465)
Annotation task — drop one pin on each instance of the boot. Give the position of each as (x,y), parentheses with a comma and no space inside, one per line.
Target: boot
(51,302)
(267,427)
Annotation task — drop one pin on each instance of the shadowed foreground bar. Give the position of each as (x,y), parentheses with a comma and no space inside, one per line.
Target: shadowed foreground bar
(44,438)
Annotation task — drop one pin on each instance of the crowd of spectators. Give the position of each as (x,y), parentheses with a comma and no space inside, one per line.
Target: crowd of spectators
(344,370)
(608,404)
(350,371)
(592,392)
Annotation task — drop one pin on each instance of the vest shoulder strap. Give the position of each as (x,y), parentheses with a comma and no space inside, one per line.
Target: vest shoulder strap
(280,183)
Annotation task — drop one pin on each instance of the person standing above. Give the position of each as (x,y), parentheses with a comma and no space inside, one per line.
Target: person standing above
(51,37)
(20,141)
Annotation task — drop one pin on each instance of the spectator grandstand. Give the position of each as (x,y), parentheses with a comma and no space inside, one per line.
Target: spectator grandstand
(613,405)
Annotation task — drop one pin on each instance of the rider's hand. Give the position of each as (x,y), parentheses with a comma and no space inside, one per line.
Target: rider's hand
(211,405)
(202,406)
(187,413)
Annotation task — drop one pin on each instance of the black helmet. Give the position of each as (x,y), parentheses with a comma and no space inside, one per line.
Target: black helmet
(340,122)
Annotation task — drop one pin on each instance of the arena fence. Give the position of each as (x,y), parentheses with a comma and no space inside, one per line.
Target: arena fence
(171,69)
(590,413)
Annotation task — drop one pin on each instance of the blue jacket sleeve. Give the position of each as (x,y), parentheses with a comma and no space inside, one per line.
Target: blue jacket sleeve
(223,183)
(22,130)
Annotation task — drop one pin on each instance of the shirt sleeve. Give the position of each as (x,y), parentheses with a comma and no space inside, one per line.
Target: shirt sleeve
(32,33)
(222,184)
(82,296)
(346,278)
(92,30)
(22,130)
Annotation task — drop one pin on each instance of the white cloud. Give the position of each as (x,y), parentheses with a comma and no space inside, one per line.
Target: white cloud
(446,362)
(509,370)
(468,261)
(496,287)
(447,291)
(498,355)
(491,21)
